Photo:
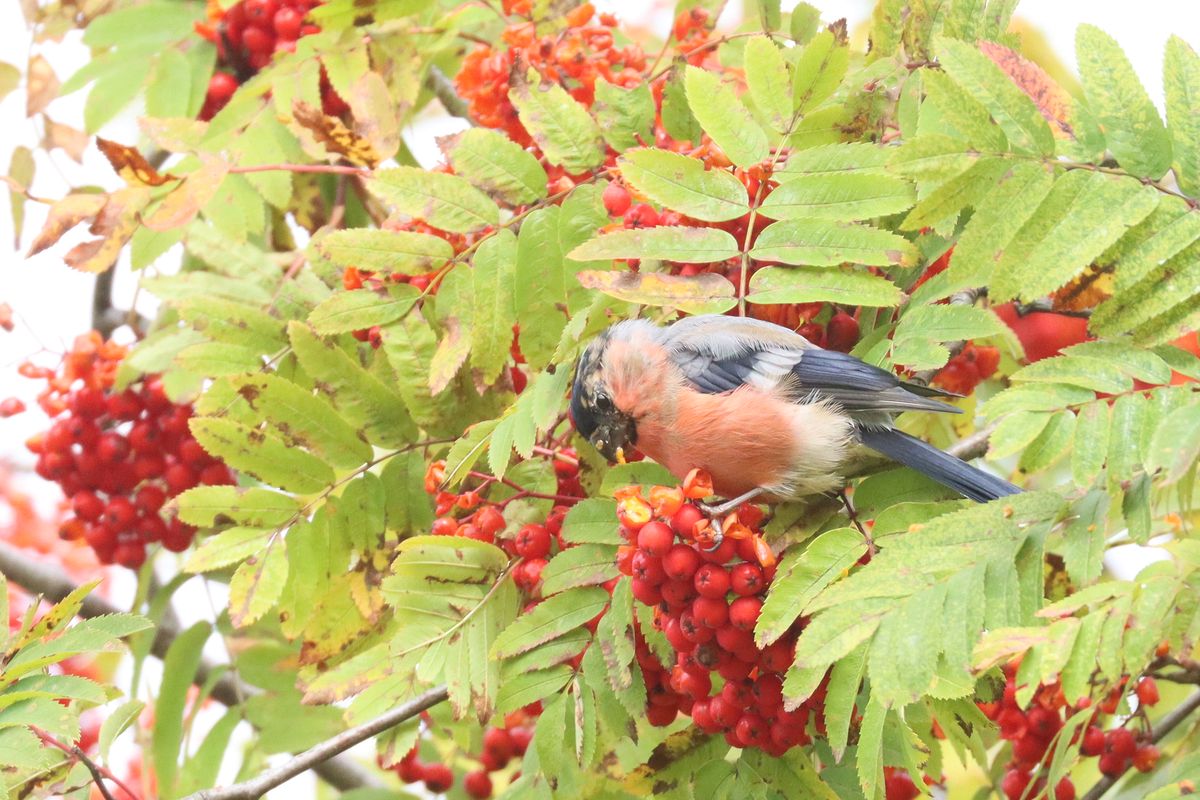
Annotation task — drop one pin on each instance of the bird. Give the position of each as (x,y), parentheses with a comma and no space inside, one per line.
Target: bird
(764,411)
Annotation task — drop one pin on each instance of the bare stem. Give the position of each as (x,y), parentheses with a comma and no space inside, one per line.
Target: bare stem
(313,757)
(99,773)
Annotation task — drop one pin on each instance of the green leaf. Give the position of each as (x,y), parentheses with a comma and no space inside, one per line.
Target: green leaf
(959,109)
(467,451)
(303,419)
(682,184)
(931,157)
(904,651)
(768,81)
(448,202)
(1129,414)
(169,87)
(834,159)
(230,546)
(562,128)
(498,165)
(1095,373)
(152,23)
(362,399)
(407,252)
(725,118)
(1082,215)
(493,269)
(179,667)
(665,242)
(1012,109)
(1135,133)
(625,116)
(850,287)
(819,71)
(116,722)
(821,563)
(840,697)
(1050,445)
(592,521)
(586,565)
(870,747)
(206,506)
(1014,433)
(257,584)
(1161,236)
(1175,446)
(940,207)
(1181,80)
(1083,539)
(233,323)
(948,323)
(843,198)
(528,687)
(551,618)
(828,244)
(1091,443)
(677,117)
(261,455)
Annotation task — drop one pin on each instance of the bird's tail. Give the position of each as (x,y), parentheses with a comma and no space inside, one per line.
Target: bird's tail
(940,466)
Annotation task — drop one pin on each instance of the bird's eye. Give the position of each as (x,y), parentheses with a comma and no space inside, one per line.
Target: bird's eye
(604,402)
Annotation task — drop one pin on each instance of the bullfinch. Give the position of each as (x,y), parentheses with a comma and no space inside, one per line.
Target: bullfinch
(764,411)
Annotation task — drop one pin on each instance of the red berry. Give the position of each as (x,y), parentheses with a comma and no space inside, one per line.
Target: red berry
(681,562)
(685,519)
(190,452)
(1112,765)
(179,478)
(144,437)
(438,778)
(898,786)
(444,526)
(648,568)
(746,579)
(712,581)
(87,403)
(178,536)
(841,332)
(119,514)
(533,541)
(499,743)
(125,405)
(216,474)
(1147,691)
(477,784)
(287,22)
(616,199)
(1014,784)
(489,520)
(130,554)
(710,612)
(1146,757)
(656,538)
(647,593)
(1121,742)
(258,41)
(151,528)
(661,716)
(260,11)
(87,506)
(641,216)
(723,712)
(531,572)
(678,594)
(1093,742)
(721,554)
(752,730)
(112,447)
(1065,790)
(744,611)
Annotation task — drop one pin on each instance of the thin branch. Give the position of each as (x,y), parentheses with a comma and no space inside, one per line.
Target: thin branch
(972,446)
(443,89)
(1170,721)
(54,584)
(310,759)
(99,773)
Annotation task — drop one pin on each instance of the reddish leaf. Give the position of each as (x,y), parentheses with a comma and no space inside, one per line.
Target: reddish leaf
(1051,99)
(334,136)
(131,164)
(178,207)
(64,215)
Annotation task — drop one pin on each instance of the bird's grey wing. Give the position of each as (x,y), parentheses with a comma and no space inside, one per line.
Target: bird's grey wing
(719,354)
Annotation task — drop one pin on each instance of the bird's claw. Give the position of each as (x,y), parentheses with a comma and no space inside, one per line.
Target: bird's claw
(717,536)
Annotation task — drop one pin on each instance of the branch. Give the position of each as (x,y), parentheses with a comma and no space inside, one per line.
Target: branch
(443,89)
(315,756)
(1168,723)
(54,584)
(98,773)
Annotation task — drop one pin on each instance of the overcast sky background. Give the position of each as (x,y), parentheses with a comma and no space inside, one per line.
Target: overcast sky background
(52,302)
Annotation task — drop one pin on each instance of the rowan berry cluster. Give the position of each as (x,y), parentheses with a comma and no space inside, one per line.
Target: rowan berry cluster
(707,592)
(118,456)
(1035,733)
(575,58)
(248,35)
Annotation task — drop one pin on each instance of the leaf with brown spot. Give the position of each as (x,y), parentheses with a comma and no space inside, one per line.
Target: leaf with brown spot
(70,140)
(376,117)
(177,135)
(131,165)
(332,134)
(41,85)
(182,204)
(706,293)
(451,354)
(64,215)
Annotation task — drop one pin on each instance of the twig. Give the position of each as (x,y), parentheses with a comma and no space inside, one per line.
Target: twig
(972,446)
(50,582)
(256,787)
(1170,721)
(443,89)
(98,772)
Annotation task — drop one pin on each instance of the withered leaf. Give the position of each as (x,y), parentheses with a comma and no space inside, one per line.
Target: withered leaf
(131,165)
(696,294)
(41,85)
(70,140)
(183,203)
(334,136)
(1051,99)
(64,215)
(115,224)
